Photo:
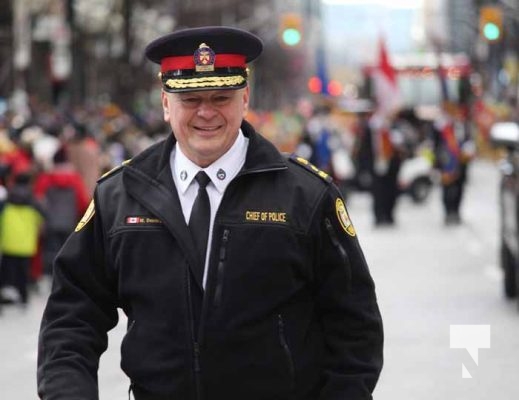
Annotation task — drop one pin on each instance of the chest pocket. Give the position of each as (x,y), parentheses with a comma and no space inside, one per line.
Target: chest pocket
(260,258)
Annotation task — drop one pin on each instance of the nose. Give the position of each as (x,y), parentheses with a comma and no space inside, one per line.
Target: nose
(206,110)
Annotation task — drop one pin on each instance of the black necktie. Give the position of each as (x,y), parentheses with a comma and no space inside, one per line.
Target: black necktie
(199,219)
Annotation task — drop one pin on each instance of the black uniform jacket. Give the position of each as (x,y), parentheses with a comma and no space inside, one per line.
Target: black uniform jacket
(289,309)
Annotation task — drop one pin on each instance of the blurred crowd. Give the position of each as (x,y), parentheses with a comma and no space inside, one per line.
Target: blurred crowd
(51,158)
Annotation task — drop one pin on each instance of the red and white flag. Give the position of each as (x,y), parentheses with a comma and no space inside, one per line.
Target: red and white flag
(132,220)
(386,89)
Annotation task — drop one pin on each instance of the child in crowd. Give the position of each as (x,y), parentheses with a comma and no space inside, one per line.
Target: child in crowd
(20,222)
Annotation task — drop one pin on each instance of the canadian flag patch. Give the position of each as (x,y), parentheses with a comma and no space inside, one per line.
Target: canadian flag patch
(142,220)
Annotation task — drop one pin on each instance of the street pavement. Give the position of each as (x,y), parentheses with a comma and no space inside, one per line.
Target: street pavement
(428,278)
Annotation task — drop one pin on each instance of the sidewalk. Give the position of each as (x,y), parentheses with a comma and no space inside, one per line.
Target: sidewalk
(19,329)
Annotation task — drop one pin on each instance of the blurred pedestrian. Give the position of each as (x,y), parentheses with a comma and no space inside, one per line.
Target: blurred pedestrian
(85,154)
(238,268)
(454,149)
(387,144)
(65,198)
(319,129)
(20,222)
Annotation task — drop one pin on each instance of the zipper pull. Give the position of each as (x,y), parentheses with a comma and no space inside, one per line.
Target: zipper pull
(196,348)
(225,239)
(281,325)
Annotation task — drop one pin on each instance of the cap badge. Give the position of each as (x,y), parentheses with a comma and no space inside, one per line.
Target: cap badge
(220,174)
(204,58)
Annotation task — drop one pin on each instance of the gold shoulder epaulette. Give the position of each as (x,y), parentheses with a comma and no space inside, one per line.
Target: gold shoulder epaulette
(310,167)
(113,170)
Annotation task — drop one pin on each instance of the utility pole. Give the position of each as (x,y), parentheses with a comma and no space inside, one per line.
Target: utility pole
(6,50)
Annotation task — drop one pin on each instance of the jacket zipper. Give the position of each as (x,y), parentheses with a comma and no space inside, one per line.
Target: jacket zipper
(218,289)
(221,268)
(286,348)
(196,346)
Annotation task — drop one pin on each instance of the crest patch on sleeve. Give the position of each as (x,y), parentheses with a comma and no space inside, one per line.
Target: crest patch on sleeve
(89,213)
(343,217)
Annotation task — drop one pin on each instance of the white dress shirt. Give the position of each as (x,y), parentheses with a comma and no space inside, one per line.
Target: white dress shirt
(221,172)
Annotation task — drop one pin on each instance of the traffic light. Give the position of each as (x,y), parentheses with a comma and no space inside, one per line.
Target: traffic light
(290,29)
(491,23)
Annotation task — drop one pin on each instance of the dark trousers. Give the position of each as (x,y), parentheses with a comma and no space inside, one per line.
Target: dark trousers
(452,195)
(385,193)
(452,192)
(15,272)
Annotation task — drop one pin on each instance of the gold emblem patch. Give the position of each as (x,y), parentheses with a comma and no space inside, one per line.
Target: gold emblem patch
(89,213)
(343,217)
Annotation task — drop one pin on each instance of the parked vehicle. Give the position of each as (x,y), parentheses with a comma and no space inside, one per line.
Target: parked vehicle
(415,178)
(506,135)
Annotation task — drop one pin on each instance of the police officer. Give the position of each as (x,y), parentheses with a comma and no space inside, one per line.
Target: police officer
(271,300)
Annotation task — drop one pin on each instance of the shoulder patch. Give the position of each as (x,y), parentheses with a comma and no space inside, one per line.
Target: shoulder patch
(89,213)
(310,167)
(343,217)
(113,170)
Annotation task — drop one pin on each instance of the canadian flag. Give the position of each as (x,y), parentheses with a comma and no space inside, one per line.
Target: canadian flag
(386,89)
(132,220)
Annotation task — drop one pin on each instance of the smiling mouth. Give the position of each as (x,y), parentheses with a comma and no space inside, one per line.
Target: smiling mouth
(208,128)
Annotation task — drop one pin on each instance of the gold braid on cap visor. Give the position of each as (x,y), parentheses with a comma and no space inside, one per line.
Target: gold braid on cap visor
(216,81)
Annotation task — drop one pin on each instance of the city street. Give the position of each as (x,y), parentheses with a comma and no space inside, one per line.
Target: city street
(428,278)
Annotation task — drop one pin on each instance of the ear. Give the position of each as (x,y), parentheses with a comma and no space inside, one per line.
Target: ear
(165,106)
(246,97)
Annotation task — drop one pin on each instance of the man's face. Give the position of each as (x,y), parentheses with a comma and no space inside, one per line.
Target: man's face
(205,123)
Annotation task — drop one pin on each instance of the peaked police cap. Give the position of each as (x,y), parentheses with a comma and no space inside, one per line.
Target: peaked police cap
(204,58)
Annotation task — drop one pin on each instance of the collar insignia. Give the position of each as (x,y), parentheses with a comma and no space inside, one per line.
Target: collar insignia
(183,175)
(204,58)
(221,174)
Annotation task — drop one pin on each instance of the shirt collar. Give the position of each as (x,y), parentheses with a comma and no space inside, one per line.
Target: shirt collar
(221,172)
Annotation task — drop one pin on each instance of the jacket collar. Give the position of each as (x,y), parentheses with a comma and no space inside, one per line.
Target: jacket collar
(261,156)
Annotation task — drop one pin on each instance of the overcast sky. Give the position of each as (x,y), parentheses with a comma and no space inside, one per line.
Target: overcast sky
(352,27)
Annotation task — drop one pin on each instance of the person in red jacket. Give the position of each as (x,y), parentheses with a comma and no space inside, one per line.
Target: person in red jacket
(65,198)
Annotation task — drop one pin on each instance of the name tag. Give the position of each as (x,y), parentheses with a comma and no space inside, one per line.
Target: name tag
(266,216)
(137,220)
